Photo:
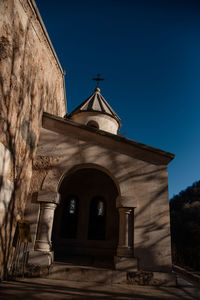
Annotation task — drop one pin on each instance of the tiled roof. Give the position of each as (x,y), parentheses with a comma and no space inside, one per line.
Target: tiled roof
(96,103)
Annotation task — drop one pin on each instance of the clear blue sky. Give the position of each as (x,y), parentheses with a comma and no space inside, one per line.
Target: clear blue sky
(148,52)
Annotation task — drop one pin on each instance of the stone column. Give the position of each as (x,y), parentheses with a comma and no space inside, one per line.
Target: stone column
(48,201)
(125,244)
(42,250)
(45,224)
(125,260)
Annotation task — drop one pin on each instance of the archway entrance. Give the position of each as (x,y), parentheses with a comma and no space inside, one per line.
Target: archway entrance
(86,220)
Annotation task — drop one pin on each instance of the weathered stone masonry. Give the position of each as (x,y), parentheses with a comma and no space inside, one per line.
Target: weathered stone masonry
(31,81)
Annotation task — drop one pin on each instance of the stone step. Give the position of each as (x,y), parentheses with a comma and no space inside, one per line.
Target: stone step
(85,273)
(62,271)
(103,261)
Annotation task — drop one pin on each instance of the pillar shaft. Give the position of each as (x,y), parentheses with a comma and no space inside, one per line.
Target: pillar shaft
(125,244)
(43,240)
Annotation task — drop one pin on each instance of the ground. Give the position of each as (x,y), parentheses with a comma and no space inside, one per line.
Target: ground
(39,288)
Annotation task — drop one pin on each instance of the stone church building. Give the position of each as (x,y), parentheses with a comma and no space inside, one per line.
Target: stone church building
(88,193)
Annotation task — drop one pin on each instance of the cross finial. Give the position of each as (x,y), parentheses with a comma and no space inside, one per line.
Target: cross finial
(98,79)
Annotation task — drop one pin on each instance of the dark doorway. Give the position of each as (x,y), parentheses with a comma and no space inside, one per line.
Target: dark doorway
(86,220)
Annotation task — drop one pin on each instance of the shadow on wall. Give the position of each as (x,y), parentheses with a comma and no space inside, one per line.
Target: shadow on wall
(155,230)
(23,94)
(23,90)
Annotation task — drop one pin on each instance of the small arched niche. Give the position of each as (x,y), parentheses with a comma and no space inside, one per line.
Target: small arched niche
(93,124)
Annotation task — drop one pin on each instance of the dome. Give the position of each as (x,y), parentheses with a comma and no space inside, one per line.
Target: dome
(97,113)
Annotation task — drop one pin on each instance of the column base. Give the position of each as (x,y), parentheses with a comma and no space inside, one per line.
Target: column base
(42,246)
(40,258)
(125,251)
(129,264)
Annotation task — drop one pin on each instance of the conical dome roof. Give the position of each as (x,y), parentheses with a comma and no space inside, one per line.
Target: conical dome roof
(96,103)
(96,112)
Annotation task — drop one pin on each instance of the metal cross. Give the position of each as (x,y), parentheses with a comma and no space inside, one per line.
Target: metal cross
(98,79)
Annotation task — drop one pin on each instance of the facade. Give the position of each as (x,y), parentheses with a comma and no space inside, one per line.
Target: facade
(97,194)
(88,192)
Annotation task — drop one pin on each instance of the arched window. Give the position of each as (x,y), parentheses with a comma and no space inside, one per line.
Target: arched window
(97,219)
(100,208)
(69,217)
(93,124)
(72,206)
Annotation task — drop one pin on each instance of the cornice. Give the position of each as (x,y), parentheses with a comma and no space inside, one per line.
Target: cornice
(120,144)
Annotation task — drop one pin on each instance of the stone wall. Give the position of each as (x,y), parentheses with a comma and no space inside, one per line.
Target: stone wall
(31,81)
(142,183)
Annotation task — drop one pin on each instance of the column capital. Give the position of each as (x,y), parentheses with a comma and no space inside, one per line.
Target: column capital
(48,197)
(125,210)
(48,205)
(126,201)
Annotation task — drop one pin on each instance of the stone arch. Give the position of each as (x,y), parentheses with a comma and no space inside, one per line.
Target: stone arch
(87,181)
(55,176)
(88,166)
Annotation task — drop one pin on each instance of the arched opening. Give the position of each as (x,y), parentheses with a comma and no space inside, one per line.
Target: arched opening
(93,124)
(97,219)
(86,220)
(69,218)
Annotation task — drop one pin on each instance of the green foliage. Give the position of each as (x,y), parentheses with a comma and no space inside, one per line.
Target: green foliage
(185,227)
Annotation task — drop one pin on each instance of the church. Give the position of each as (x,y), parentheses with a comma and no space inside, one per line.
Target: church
(90,195)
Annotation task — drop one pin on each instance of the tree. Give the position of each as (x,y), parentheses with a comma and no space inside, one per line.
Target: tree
(185,227)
